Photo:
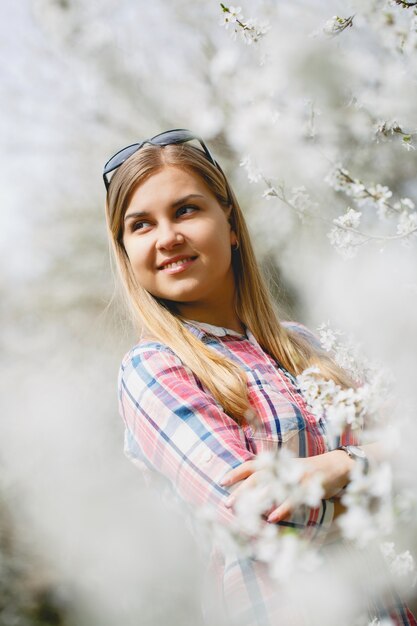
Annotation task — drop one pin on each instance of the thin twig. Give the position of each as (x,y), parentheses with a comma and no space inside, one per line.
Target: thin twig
(366,237)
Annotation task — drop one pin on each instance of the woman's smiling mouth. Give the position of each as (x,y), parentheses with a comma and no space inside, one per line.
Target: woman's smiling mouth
(178,266)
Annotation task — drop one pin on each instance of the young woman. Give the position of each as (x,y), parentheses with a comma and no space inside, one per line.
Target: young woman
(210,383)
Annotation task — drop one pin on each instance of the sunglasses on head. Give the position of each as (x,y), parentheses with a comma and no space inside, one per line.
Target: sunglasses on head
(178,135)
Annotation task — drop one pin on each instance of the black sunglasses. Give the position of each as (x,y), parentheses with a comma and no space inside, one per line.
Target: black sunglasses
(178,135)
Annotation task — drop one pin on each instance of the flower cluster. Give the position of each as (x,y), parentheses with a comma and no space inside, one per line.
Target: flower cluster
(301,201)
(368,500)
(338,407)
(250,30)
(407,225)
(363,196)
(385,130)
(345,236)
(337,25)
(348,354)
(401,565)
(252,170)
(282,549)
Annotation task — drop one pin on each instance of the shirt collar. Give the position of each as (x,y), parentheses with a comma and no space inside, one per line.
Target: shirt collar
(202,329)
(211,329)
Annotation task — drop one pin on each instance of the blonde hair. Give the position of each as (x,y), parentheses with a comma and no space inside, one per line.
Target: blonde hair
(223,378)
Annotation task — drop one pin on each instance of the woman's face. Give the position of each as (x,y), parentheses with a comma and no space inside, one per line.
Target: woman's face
(173,217)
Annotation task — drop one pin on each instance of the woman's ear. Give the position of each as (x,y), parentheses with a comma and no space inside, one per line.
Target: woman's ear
(233,238)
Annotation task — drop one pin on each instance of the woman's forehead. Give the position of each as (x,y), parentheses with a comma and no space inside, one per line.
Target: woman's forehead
(168,185)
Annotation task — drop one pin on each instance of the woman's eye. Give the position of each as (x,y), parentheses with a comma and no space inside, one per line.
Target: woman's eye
(185,209)
(139,225)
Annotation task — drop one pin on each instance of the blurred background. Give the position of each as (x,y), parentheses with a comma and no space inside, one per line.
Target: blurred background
(282,101)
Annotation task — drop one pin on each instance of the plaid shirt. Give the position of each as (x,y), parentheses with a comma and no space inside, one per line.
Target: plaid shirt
(175,427)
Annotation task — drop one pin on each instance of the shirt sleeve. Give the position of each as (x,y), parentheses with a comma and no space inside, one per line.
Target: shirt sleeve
(176,428)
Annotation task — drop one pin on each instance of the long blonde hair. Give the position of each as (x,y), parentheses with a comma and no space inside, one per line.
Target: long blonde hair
(224,379)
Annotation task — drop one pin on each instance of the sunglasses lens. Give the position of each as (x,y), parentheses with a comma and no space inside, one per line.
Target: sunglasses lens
(172,136)
(120,157)
(179,135)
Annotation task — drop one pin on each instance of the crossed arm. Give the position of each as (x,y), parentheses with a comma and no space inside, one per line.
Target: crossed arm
(181,432)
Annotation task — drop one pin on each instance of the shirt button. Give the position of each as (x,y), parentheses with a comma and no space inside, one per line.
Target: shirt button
(207,456)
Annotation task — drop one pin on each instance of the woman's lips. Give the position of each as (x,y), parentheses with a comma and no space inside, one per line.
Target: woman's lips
(178,268)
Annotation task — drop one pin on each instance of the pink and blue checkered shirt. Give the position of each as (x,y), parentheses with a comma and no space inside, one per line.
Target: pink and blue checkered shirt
(175,427)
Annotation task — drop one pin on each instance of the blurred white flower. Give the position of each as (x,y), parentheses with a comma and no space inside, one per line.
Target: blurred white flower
(407,224)
(293,555)
(301,200)
(351,219)
(368,498)
(407,203)
(230,15)
(328,336)
(357,525)
(337,25)
(253,172)
(402,564)
(249,29)
(344,242)
(339,407)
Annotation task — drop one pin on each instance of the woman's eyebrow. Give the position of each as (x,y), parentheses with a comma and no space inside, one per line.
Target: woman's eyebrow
(186,198)
(178,202)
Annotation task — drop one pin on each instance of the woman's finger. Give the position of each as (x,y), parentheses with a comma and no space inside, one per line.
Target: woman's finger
(240,472)
(249,482)
(281,513)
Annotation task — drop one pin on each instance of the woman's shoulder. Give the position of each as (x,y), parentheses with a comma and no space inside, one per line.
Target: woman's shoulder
(145,348)
(301,329)
(151,366)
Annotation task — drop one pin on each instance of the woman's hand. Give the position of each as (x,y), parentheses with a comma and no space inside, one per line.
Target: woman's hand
(334,467)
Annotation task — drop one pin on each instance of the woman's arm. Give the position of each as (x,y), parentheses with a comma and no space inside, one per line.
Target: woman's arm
(334,466)
(180,431)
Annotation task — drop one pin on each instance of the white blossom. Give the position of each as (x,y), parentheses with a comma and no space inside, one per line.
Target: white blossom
(386,128)
(252,170)
(279,478)
(230,16)
(368,498)
(357,525)
(351,219)
(337,24)
(345,407)
(301,200)
(293,555)
(407,203)
(344,242)
(249,29)
(328,336)
(407,223)
(402,564)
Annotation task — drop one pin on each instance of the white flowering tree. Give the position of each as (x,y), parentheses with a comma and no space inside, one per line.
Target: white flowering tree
(310,106)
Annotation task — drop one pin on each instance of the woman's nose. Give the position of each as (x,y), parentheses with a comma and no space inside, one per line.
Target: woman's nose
(169,237)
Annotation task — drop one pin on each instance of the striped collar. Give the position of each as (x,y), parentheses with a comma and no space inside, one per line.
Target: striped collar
(202,330)
(211,329)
